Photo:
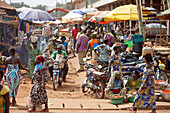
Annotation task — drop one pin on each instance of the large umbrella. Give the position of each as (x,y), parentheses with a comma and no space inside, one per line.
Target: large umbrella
(23,9)
(78,11)
(165,15)
(89,10)
(35,15)
(71,16)
(125,12)
(92,14)
(98,17)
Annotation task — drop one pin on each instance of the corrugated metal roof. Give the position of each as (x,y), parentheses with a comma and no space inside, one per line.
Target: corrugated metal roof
(4,5)
(103,2)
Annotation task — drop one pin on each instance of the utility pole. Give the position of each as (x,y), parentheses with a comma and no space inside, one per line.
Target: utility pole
(140,16)
(86,3)
(71,4)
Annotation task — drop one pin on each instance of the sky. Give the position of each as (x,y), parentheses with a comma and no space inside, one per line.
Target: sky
(49,3)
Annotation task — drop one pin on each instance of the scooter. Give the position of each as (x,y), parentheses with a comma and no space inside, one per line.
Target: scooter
(58,65)
(95,80)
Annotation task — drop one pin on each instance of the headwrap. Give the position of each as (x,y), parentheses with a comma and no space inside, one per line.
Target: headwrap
(41,58)
(112,78)
(94,35)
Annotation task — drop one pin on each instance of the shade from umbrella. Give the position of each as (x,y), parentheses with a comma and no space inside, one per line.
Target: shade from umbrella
(35,15)
(71,16)
(165,15)
(125,12)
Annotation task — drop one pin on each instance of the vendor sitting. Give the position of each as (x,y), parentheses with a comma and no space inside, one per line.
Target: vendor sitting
(115,85)
(134,82)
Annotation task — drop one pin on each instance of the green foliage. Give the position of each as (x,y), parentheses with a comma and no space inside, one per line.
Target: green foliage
(21,4)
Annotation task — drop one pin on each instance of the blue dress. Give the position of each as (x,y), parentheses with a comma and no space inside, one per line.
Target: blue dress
(13,78)
(145,98)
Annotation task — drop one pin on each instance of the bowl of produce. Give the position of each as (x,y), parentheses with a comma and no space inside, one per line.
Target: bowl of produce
(160,84)
(166,95)
(117,99)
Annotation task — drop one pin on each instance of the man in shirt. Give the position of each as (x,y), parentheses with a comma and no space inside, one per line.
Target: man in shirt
(74,35)
(103,51)
(82,43)
(110,38)
(64,54)
(44,44)
(52,46)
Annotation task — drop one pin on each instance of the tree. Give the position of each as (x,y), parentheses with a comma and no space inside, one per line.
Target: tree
(19,4)
(42,7)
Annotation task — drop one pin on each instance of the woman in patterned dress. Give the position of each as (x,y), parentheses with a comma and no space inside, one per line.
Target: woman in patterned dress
(34,51)
(13,64)
(145,97)
(38,92)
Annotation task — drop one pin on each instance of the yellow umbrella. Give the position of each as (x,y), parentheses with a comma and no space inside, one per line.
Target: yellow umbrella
(126,12)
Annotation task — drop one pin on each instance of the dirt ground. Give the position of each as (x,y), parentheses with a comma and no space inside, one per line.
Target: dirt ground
(70,89)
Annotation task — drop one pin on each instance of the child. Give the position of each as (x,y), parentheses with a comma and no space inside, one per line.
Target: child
(63,38)
(38,92)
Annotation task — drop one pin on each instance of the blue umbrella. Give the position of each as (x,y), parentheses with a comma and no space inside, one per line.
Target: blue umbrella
(78,11)
(35,15)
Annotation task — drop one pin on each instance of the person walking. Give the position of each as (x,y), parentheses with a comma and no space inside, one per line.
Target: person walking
(94,42)
(82,43)
(44,44)
(34,51)
(38,92)
(145,97)
(13,64)
(74,35)
(110,38)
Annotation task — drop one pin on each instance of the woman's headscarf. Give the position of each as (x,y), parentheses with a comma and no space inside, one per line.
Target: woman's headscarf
(114,75)
(112,79)
(41,58)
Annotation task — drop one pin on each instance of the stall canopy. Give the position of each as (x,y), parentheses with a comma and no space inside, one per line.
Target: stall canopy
(165,15)
(126,12)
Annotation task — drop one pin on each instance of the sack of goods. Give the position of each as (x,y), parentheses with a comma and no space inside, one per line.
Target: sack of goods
(147,50)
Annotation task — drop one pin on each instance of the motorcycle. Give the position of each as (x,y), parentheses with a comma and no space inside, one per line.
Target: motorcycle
(95,80)
(58,65)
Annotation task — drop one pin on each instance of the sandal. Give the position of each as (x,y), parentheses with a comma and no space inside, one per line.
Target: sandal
(153,112)
(44,110)
(131,109)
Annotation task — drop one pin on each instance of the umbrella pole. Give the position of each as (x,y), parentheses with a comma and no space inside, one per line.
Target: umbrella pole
(130,22)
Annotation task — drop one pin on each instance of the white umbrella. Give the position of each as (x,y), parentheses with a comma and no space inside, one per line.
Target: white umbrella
(23,9)
(35,15)
(71,16)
